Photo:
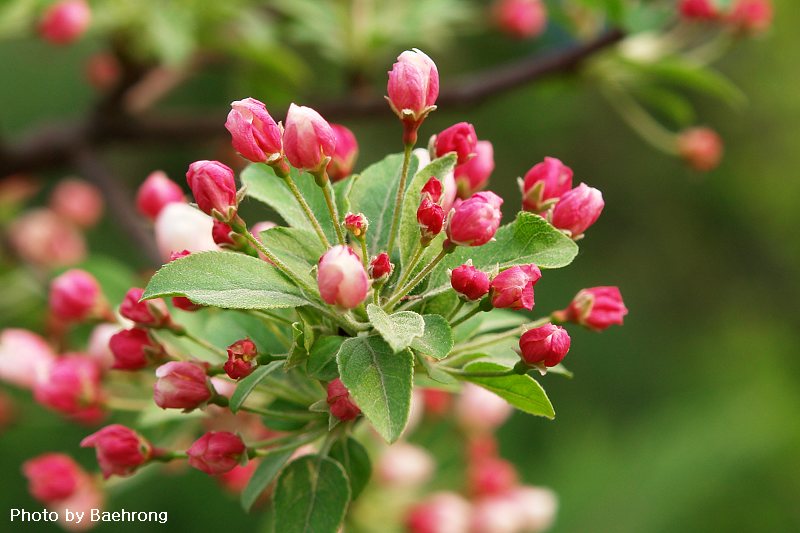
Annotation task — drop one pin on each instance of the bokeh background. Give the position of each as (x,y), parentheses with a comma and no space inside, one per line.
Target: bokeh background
(685,419)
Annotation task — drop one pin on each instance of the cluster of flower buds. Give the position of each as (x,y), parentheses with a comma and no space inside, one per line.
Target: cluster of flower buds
(430,213)
(747,16)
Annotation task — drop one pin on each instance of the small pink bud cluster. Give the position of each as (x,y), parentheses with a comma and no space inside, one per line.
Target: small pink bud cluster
(65,21)
(701,148)
(155,193)
(341,404)
(341,278)
(120,450)
(241,359)
(430,213)
(521,19)
(596,308)
(413,87)
(546,345)
(747,16)
(404,465)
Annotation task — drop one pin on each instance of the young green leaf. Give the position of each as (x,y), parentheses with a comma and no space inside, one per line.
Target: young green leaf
(355,460)
(398,329)
(437,341)
(521,391)
(298,249)
(246,385)
(266,471)
(322,357)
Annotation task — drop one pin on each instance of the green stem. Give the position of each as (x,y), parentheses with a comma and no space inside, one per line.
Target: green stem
(272,316)
(409,268)
(487,374)
(204,343)
(466,316)
(327,189)
(281,415)
(311,437)
(364,253)
(398,201)
(639,119)
(306,209)
(414,282)
(275,261)
(455,310)
(167,456)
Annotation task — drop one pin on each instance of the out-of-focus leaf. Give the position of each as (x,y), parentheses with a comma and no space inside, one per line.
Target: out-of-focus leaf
(248,384)
(265,473)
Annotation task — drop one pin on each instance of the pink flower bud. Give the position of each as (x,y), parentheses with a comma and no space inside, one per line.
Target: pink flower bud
(133,349)
(182,385)
(217,452)
(752,16)
(544,184)
(120,450)
(537,506)
(241,359)
(213,187)
(578,209)
(24,357)
(45,239)
(469,282)
(341,404)
(356,223)
(341,278)
(254,133)
(459,138)
(437,402)
(180,226)
(98,347)
(236,480)
(308,139)
(65,21)
(491,476)
(513,287)
(472,176)
(404,465)
(441,512)
(75,296)
(380,268)
(102,70)
(221,233)
(547,344)
(430,217)
(71,386)
(475,220)
(77,201)
(521,19)
(480,411)
(155,193)
(701,148)
(698,9)
(344,156)
(596,308)
(434,189)
(181,302)
(413,85)
(149,313)
(53,477)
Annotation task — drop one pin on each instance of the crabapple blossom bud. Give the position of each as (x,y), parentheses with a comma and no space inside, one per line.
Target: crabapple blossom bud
(380,268)
(434,189)
(472,176)
(513,287)
(65,21)
(751,16)
(77,201)
(578,209)
(698,9)
(469,282)
(441,512)
(537,507)
(547,344)
(596,308)
(459,138)
(120,450)
(437,402)
(98,347)
(71,386)
(182,302)
(24,357)
(180,226)
(254,133)
(214,188)
(495,514)
(345,154)
(701,148)
(413,88)
(133,349)
(217,452)
(341,278)
(53,477)
(341,404)
(480,411)
(75,296)
(430,217)
(491,476)
(221,233)
(45,239)
(475,220)
(521,19)
(102,70)
(149,313)
(404,465)
(155,192)
(544,184)
(357,224)
(308,139)
(241,359)
(182,385)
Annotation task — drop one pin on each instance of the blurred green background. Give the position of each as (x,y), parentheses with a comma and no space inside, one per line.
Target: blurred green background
(686,418)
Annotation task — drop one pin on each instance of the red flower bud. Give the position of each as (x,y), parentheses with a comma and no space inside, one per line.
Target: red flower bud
(356,223)
(133,349)
(254,133)
(182,385)
(491,476)
(341,278)
(413,85)
(156,192)
(77,201)
(578,209)
(752,16)
(472,176)
(434,189)
(71,386)
(596,308)
(430,217)
(701,148)
(521,19)
(241,359)
(221,233)
(459,138)
(344,156)
(437,402)
(74,296)
(698,9)
(53,477)
(469,282)
(308,138)
(341,404)
(441,512)
(513,287)
(180,226)
(475,220)
(149,313)
(544,184)
(213,187)
(547,344)
(65,21)
(217,452)
(181,302)
(120,450)
(102,70)
(380,268)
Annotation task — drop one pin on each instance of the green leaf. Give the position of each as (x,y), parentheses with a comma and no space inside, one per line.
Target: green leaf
(266,471)
(684,73)
(398,329)
(322,358)
(226,327)
(246,385)
(298,249)
(297,353)
(355,460)
(437,341)
(521,391)
(225,279)
(379,381)
(675,107)
(311,496)
(375,195)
